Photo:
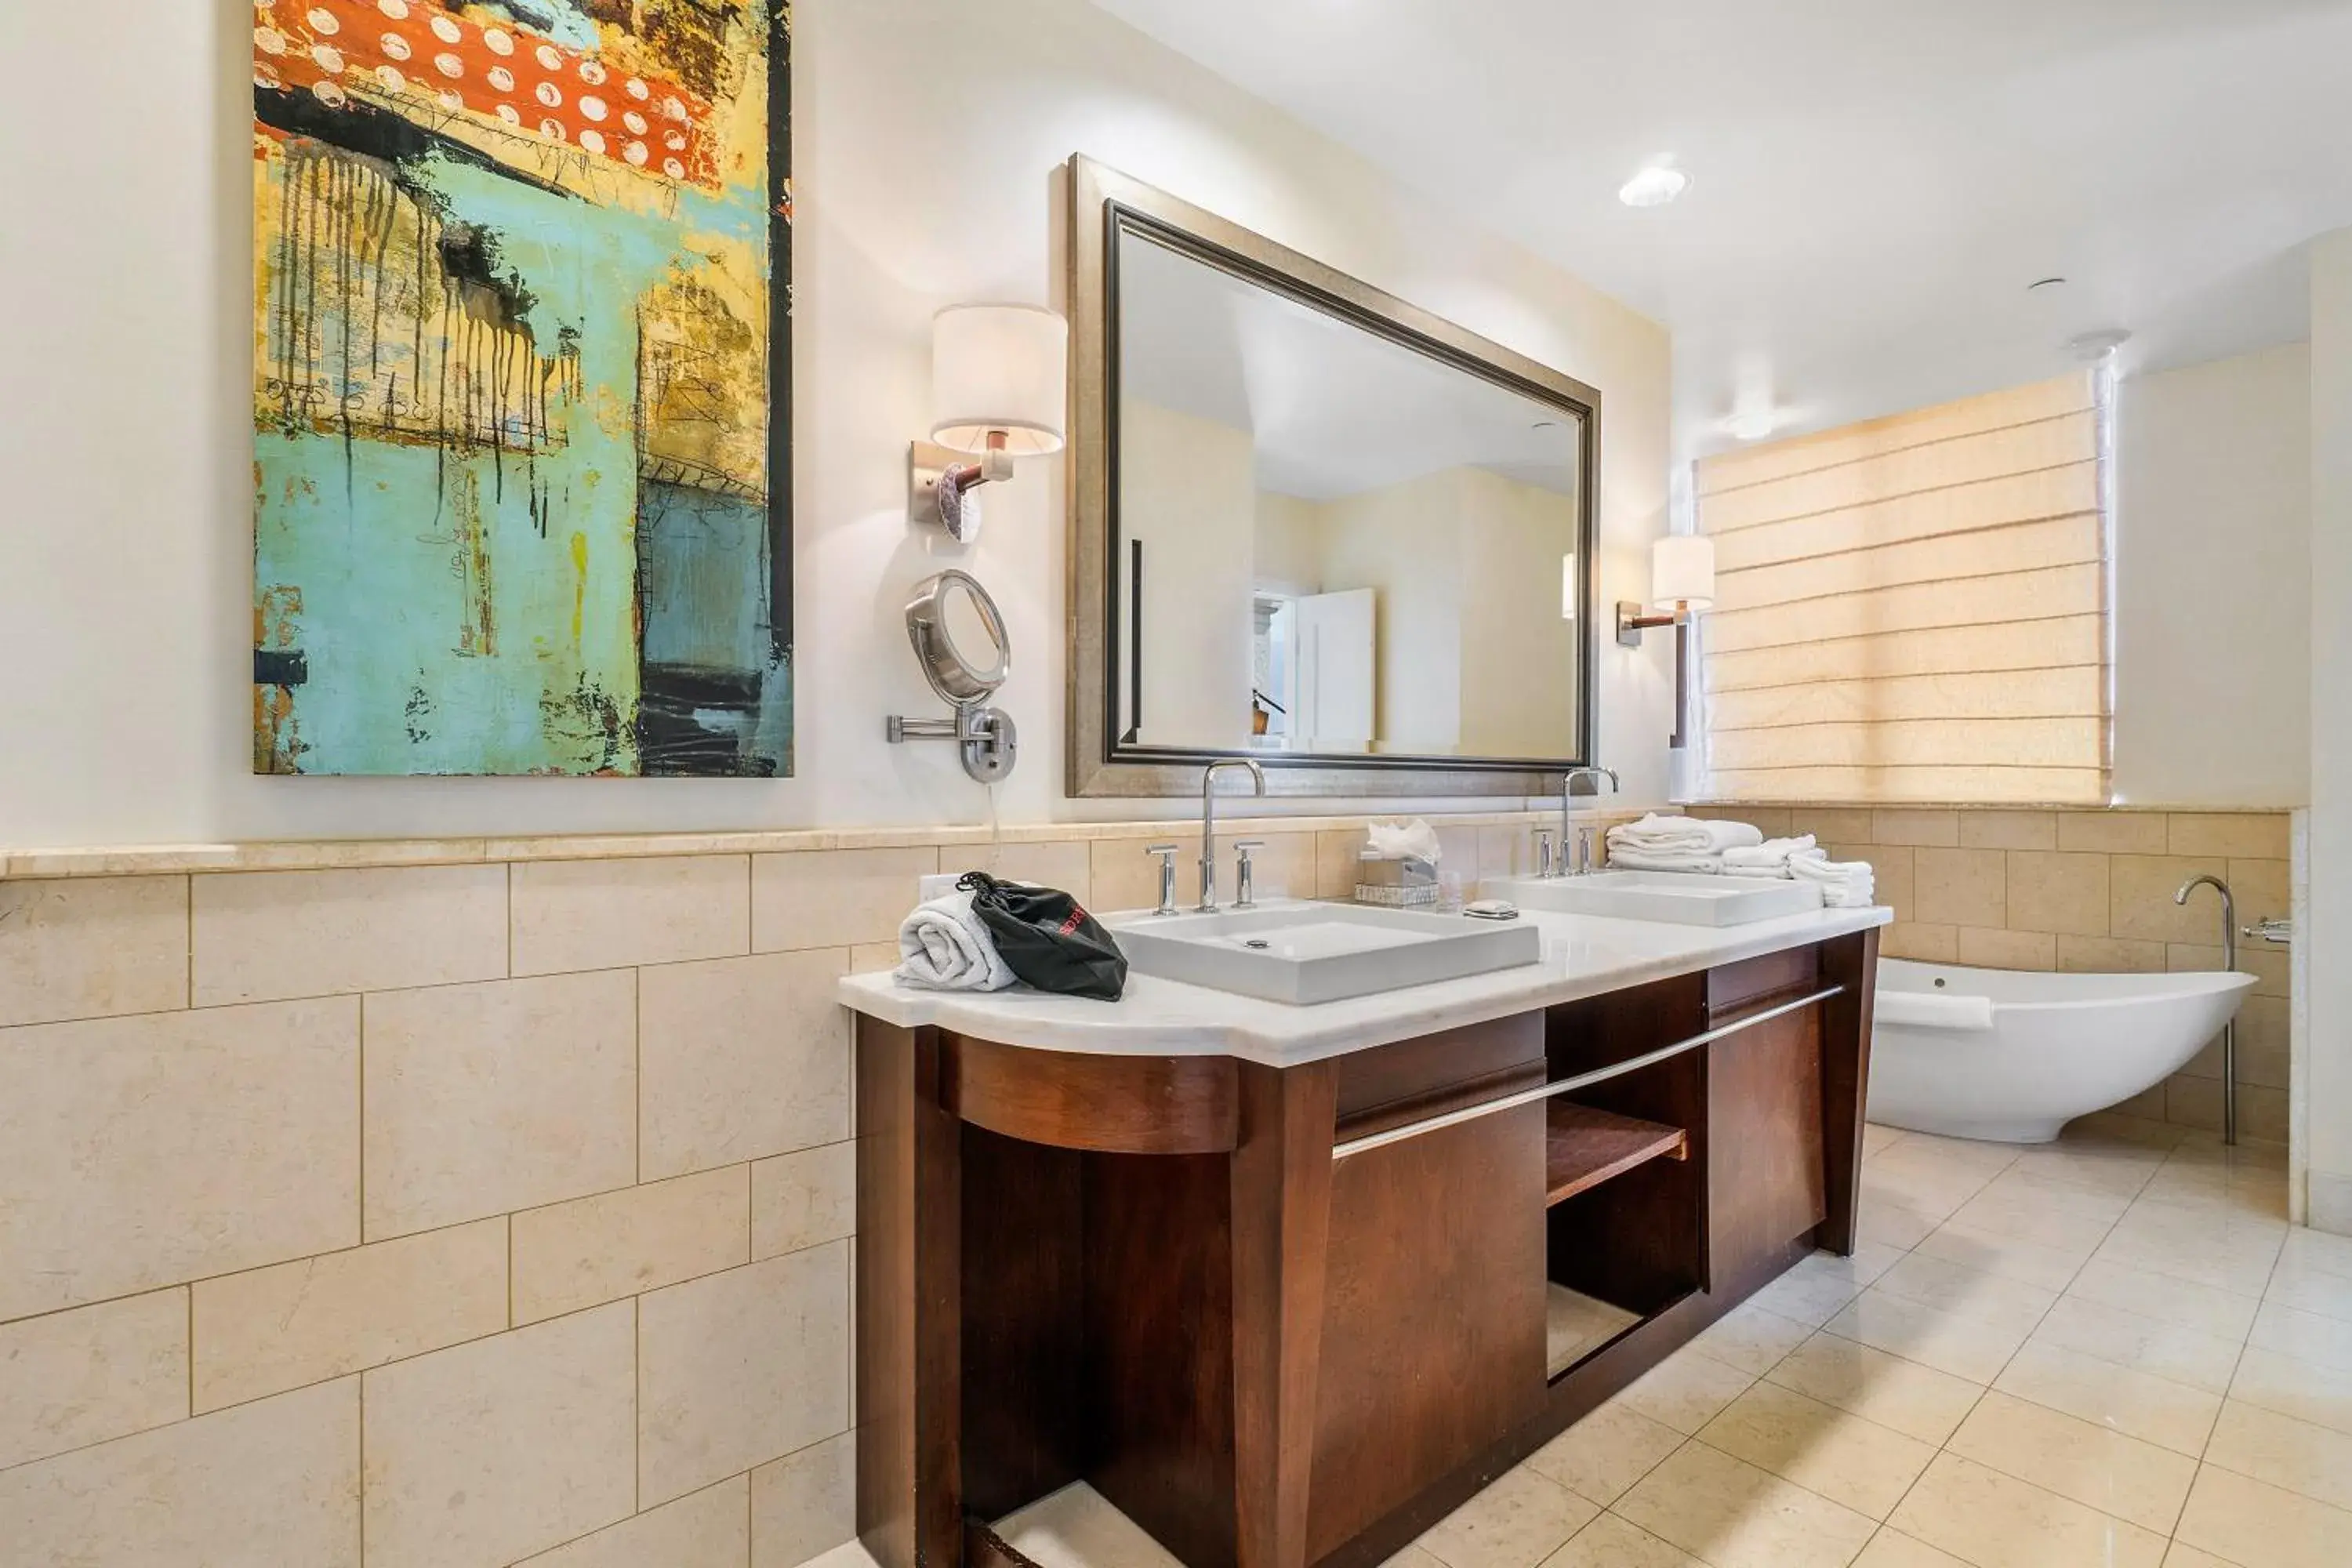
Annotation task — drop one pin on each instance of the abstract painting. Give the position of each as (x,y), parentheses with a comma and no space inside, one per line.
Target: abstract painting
(522,387)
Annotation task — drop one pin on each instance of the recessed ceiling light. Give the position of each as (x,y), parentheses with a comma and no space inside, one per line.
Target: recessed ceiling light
(2093,346)
(1750,427)
(1653,186)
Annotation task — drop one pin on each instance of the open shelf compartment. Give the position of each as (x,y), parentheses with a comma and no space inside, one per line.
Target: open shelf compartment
(1584,1147)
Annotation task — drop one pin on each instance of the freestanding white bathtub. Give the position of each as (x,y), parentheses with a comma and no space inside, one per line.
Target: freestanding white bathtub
(2012,1056)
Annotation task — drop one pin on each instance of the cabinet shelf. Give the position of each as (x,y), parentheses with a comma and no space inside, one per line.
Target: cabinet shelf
(1584,1147)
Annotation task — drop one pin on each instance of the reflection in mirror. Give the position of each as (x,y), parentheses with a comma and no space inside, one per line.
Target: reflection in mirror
(1328,541)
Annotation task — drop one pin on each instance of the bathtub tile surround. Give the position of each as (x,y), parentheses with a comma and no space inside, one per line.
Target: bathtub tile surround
(2084,891)
(542,1145)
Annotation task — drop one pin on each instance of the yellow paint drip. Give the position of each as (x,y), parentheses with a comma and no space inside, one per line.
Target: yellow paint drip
(579,582)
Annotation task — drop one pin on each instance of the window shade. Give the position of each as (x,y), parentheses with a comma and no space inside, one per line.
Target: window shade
(1914,609)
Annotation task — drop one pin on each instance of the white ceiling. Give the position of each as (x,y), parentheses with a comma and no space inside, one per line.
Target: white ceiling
(1332,410)
(1874,183)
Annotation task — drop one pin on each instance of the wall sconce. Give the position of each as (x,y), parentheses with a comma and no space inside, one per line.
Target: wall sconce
(1682,583)
(1000,389)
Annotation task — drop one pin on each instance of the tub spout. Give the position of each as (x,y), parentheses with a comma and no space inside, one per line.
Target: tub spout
(2228,962)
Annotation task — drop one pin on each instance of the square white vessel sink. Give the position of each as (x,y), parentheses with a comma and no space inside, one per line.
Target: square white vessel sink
(1678,898)
(1304,952)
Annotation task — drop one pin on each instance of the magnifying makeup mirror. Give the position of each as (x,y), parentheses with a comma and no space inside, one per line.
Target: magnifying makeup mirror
(959,641)
(958,637)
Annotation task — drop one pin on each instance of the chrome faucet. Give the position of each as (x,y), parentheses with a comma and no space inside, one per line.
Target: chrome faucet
(1208,905)
(1567,828)
(2228,962)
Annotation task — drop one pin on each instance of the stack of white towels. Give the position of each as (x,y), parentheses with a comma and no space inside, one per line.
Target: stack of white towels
(1739,849)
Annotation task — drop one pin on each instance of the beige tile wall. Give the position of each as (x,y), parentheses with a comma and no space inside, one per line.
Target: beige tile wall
(2082,892)
(462,1215)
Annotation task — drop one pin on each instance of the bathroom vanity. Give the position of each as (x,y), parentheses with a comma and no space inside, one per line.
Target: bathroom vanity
(1289,1284)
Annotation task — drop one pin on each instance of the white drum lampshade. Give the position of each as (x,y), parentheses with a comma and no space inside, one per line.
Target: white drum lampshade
(1000,368)
(1682,573)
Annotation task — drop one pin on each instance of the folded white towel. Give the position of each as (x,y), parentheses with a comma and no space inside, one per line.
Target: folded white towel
(1934,1010)
(1683,835)
(1845,884)
(1623,859)
(1770,858)
(943,946)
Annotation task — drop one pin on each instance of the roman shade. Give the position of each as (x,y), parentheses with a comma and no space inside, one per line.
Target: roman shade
(1914,609)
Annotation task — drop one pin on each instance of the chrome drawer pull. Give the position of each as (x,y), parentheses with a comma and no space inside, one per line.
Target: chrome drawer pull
(1569,1084)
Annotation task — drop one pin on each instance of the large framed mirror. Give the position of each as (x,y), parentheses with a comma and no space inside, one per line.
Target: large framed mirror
(1311,524)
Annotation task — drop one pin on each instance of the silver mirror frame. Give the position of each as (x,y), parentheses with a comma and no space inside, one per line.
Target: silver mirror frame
(1104,203)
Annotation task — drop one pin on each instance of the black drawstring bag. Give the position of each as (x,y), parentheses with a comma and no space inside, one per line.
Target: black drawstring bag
(1047,939)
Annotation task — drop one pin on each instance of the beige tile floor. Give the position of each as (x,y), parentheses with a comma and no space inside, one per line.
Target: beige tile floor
(2111,1352)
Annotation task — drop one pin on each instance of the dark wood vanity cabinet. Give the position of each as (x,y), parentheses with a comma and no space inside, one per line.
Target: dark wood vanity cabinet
(1290,1318)
(1765,1181)
(1433,1291)
(1766,1177)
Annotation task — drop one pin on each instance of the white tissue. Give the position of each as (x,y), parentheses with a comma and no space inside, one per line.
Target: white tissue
(1397,840)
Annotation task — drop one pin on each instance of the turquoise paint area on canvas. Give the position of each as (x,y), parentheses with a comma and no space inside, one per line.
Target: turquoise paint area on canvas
(706,574)
(445,619)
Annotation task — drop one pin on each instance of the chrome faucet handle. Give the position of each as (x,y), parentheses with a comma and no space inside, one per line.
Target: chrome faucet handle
(1584,851)
(1543,853)
(1245,875)
(1167,853)
(1568,798)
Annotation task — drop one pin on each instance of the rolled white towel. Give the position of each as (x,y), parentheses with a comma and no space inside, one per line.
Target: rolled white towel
(1628,859)
(1683,835)
(1770,858)
(1934,1010)
(943,946)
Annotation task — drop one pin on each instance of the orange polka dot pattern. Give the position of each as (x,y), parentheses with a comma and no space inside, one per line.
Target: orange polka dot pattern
(418,49)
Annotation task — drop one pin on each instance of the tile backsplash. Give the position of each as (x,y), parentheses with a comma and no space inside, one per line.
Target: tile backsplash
(2084,891)
(462,1205)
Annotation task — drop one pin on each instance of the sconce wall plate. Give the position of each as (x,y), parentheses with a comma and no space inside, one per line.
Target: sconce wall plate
(944,484)
(1632,623)
(986,736)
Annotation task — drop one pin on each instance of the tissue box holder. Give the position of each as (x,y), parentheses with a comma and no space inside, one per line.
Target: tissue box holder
(1405,883)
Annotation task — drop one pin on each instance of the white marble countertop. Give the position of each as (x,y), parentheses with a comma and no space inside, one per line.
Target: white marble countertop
(1582,956)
